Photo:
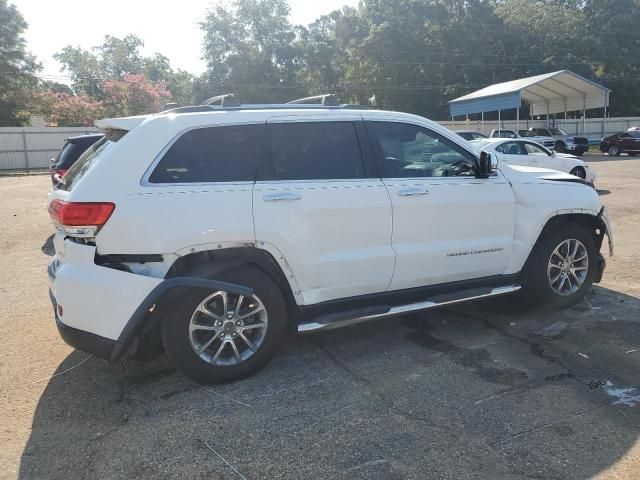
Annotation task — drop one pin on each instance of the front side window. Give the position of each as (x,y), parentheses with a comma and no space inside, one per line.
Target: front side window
(211,154)
(410,151)
(534,149)
(313,151)
(511,148)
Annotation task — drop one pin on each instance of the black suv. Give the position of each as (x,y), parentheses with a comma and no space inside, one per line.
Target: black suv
(70,152)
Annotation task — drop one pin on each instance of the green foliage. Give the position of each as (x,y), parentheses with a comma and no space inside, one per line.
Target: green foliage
(17,67)
(415,55)
(67,109)
(115,60)
(249,48)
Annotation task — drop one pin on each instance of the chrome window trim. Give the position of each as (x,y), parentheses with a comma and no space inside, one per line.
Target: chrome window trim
(144,181)
(323,181)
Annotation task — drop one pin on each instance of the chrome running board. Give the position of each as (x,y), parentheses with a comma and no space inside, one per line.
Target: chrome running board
(331,322)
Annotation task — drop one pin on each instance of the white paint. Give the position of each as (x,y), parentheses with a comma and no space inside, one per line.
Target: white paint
(628,396)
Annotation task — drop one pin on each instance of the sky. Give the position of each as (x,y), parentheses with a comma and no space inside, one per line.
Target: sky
(169,28)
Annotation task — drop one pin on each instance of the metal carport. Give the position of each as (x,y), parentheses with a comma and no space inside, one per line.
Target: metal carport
(556,92)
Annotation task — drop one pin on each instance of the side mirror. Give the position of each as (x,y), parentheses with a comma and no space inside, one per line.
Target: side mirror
(487,165)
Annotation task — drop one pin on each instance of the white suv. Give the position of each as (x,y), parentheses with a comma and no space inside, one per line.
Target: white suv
(211,231)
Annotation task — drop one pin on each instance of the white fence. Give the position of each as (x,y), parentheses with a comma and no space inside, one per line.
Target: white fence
(594,128)
(29,149)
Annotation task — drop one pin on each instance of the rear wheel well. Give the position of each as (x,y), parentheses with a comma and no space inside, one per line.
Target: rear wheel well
(208,264)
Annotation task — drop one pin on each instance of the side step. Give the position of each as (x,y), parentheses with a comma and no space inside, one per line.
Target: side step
(329,322)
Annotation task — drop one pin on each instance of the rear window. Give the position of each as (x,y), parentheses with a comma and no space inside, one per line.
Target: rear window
(69,154)
(211,154)
(88,158)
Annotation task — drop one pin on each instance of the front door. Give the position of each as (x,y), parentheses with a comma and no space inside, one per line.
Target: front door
(448,225)
(542,158)
(513,153)
(322,209)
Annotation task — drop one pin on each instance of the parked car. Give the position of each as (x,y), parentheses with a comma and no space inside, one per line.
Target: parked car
(625,142)
(564,141)
(506,133)
(72,149)
(471,134)
(527,153)
(209,232)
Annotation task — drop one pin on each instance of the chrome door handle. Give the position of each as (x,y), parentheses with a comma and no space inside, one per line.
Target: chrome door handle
(281,196)
(409,192)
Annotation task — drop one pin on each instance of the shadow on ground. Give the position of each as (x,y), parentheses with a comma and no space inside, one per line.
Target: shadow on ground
(477,391)
(48,248)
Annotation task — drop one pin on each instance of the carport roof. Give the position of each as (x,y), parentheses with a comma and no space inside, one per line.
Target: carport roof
(553,92)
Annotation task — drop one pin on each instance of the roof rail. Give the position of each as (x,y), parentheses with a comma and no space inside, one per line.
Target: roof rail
(328,100)
(226,100)
(191,109)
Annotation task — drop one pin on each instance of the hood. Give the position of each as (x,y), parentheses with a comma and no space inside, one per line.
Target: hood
(522,174)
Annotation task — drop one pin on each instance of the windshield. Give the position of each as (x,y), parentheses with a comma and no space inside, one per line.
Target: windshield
(88,158)
(557,131)
(526,133)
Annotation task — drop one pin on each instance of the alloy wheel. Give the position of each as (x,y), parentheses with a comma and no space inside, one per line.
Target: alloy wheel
(226,329)
(568,266)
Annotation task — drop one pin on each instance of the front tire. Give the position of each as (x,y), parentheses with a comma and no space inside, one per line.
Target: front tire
(562,267)
(218,336)
(560,147)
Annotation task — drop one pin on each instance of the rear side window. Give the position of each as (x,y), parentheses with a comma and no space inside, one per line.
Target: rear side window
(211,154)
(313,151)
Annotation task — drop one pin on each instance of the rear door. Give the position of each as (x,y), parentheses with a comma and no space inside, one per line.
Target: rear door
(320,205)
(628,142)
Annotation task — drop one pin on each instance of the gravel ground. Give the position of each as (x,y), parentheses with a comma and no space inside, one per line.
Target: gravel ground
(482,391)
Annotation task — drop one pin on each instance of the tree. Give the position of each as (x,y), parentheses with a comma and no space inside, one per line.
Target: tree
(133,95)
(117,59)
(17,67)
(249,49)
(67,110)
(84,68)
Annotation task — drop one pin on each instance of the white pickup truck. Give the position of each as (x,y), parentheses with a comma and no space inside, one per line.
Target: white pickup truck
(529,135)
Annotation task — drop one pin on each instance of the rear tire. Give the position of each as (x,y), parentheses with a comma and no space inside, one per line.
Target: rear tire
(613,151)
(212,340)
(562,267)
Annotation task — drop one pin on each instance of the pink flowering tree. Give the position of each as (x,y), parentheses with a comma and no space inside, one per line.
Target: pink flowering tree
(67,110)
(133,95)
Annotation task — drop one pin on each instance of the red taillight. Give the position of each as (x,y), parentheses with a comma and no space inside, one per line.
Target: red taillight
(75,214)
(59,171)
